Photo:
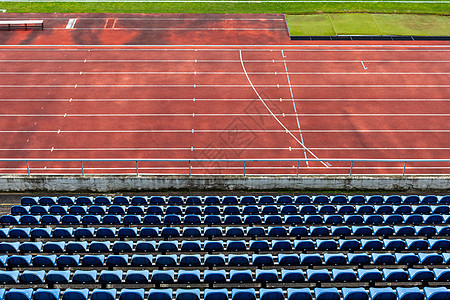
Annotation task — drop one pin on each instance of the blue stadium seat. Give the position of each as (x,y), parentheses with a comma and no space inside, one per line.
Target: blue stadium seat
(292,275)
(269,210)
(271,294)
(392,199)
(141,260)
(211,232)
(349,245)
(155,210)
(29,201)
(233,210)
(157,200)
(288,259)
(385,231)
(212,220)
(326,245)
(319,231)
(81,200)
(132,294)
(214,246)
(395,275)
(383,259)
(334,259)
(259,245)
(190,260)
(68,260)
(139,200)
(416,244)
(188,294)
(93,260)
(343,275)
(341,231)
(262,260)
(298,231)
(168,246)
(122,246)
(117,210)
(362,231)
(375,199)
(160,294)
(117,260)
(9,277)
(310,259)
(111,277)
(422,275)
(369,275)
(46,294)
(175,200)
(436,293)
(265,276)
(76,247)
(164,260)
(191,246)
(163,276)
(320,275)
(17,210)
(406,258)
(188,276)
(32,277)
(57,277)
(214,260)
(9,220)
(149,232)
(358,293)
(41,232)
(304,245)
(243,294)
(373,244)
(44,261)
(439,244)
(192,232)
(326,294)
(430,258)
(137,276)
(382,293)
(19,233)
(103,294)
(71,220)
(16,261)
(442,275)
(238,245)
(215,294)
(238,260)
(299,294)
(412,293)
(99,246)
(215,276)
(241,276)
(30,247)
(229,200)
(75,294)
(168,232)
(404,231)
(289,210)
(18,294)
(212,200)
(84,277)
(112,219)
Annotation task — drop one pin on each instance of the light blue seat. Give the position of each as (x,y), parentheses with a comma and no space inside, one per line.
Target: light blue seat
(299,294)
(41,232)
(430,258)
(93,260)
(3,259)
(412,293)
(99,246)
(145,246)
(215,276)
(160,294)
(117,260)
(46,294)
(9,277)
(18,294)
(84,277)
(4,232)
(103,294)
(57,277)
(349,245)
(188,276)
(243,294)
(216,294)
(292,275)
(442,275)
(214,260)
(188,294)
(369,275)
(75,294)
(285,259)
(383,259)
(111,277)
(395,275)
(141,260)
(44,260)
(326,294)
(241,276)
(436,293)
(32,277)
(406,258)
(343,275)
(358,293)
(271,294)
(382,293)
(132,294)
(421,275)
(16,261)
(190,260)
(321,275)
(265,276)
(163,276)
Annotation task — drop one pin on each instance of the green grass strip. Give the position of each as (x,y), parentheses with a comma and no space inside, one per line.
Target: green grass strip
(368,24)
(211,7)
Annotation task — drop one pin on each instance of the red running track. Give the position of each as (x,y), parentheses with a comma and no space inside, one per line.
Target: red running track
(372,101)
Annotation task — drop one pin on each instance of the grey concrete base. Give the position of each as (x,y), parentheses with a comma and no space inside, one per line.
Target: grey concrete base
(105,184)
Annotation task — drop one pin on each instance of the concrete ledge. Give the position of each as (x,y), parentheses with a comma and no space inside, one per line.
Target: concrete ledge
(105,184)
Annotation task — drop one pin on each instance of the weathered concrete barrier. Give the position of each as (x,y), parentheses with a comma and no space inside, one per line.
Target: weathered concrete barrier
(105,184)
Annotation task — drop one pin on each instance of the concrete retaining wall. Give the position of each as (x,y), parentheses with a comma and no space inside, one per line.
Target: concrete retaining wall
(145,183)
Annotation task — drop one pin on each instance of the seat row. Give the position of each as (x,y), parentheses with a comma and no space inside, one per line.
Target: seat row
(352,219)
(290,209)
(221,260)
(229,245)
(414,293)
(233,200)
(222,276)
(228,231)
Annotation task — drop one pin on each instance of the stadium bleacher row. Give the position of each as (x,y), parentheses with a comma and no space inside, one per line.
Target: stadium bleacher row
(226,247)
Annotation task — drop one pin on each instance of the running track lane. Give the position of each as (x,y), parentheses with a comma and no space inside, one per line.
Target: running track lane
(397,108)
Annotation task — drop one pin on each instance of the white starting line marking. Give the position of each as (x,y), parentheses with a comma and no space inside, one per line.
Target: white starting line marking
(71,23)
(365,68)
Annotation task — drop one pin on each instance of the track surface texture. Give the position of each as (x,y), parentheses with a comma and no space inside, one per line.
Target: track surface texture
(217,87)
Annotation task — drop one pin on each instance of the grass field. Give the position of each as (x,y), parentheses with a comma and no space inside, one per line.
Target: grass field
(368,24)
(286,7)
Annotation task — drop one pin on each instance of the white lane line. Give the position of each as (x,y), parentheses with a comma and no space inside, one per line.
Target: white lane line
(232,61)
(225,149)
(225,86)
(233,131)
(228,114)
(71,23)
(295,108)
(273,115)
(228,99)
(218,73)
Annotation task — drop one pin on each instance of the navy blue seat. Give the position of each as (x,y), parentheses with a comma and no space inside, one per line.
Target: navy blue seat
(127,232)
(430,258)
(93,260)
(117,260)
(358,258)
(139,200)
(406,258)
(141,260)
(243,294)
(190,260)
(71,220)
(436,293)
(30,247)
(442,275)
(230,200)
(29,201)
(334,259)
(262,260)
(213,246)
(16,261)
(215,294)
(395,275)
(168,246)
(162,276)
(369,275)
(38,210)
(277,231)
(215,276)
(75,294)
(160,294)
(99,246)
(214,260)
(326,294)
(57,277)
(241,276)
(192,232)
(132,294)
(321,275)
(187,294)
(292,275)
(81,200)
(46,294)
(122,246)
(44,261)
(299,294)
(238,260)
(285,259)
(212,200)
(422,275)
(188,276)
(271,294)
(103,294)
(358,293)
(19,233)
(32,277)
(343,275)
(157,200)
(18,294)
(9,277)
(304,245)
(383,259)
(211,232)
(313,219)
(298,231)
(236,245)
(111,277)
(85,277)
(382,293)
(166,260)
(413,293)
(310,259)
(175,200)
